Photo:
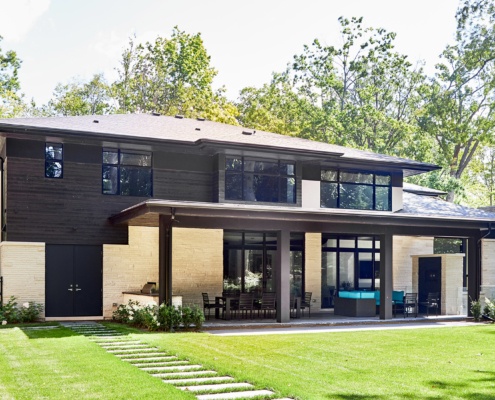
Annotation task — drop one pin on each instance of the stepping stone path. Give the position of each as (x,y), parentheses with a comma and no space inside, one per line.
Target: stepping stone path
(205,384)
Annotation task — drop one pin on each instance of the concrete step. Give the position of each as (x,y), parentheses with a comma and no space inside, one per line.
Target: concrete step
(165,376)
(161,364)
(107,343)
(173,367)
(139,355)
(143,350)
(234,395)
(184,381)
(149,359)
(110,346)
(215,387)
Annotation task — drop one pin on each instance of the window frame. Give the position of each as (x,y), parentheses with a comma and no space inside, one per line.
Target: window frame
(119,165)
(339,182)
(52,161)
(242,174)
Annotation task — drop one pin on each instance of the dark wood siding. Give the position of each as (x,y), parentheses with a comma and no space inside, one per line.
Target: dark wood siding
(73,210)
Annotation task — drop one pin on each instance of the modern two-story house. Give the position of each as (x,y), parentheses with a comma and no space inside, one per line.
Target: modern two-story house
(96,206)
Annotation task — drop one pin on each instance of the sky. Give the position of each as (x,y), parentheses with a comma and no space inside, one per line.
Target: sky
(62,40)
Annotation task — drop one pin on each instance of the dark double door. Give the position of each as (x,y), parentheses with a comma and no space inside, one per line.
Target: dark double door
(73,281)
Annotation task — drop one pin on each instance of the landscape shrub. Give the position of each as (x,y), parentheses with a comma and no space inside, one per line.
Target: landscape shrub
(164,318)
(11,312)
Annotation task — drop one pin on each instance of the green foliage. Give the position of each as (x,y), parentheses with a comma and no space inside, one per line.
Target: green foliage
(165,317)
(80,98)
(171,76)
(476,309)
(489,308)
(10,98)
(11,312)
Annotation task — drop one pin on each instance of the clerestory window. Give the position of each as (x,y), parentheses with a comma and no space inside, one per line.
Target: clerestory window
(356,190)
(127,173)
(260,180)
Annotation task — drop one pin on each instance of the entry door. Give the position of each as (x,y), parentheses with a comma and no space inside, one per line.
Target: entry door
(430,277)
(73,281)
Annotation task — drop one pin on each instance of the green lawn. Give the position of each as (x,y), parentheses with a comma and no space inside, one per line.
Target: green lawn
(443,363)
(60,364)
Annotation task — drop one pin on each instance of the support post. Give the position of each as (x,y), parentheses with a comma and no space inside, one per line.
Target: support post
(282,271)
(473,269)
(386,276)
(165,261)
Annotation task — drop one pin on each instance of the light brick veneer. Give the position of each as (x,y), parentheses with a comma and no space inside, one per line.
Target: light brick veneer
(488,268)
(313,268)
(404,248)
(22,266)
(197,264)
(452,297)
(129,267)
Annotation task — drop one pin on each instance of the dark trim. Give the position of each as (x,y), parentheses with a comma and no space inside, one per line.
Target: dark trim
(217,215)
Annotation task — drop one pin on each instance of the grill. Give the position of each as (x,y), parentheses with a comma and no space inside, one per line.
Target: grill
(149,288)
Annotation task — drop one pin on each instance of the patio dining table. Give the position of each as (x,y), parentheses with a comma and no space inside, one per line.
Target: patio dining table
(227,300)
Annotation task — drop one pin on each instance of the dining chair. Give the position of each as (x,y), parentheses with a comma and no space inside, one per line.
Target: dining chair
(207,305)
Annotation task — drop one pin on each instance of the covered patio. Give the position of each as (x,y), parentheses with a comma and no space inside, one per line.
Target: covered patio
(281,221)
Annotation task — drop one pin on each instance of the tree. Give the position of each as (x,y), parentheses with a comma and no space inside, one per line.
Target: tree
(10,98)
(361,94)
(171,76)
(459,101)
(80,98)
(366,91)
(275,107)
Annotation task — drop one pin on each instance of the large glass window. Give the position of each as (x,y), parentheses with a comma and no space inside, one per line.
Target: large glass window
(257,180)
(249,261)
(348,263)
(54,160)
(127,173)
(355,190)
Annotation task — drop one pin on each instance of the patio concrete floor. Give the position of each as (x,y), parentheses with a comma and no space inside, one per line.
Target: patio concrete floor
(325,321)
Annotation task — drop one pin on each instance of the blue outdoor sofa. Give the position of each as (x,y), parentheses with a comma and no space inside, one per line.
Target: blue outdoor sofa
(362,303)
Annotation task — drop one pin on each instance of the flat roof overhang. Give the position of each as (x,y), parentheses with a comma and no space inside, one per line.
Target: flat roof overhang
(296,219)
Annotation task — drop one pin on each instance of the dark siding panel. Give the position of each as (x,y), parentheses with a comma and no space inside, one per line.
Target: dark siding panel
(69,210)
(182,185)
(73,210)
(25,148)
(183,162)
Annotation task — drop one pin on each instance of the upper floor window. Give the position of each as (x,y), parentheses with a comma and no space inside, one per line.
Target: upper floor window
(257,180)
(54,160)
(356,190)
(127,173)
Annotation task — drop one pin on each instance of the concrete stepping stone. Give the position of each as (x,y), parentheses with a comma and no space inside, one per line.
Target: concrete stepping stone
(148,359)
(105,343)
(139,355)
(133,351)
(161,363)
(172,367)
(234,395)
(198,380)
(165,376)
(217,386)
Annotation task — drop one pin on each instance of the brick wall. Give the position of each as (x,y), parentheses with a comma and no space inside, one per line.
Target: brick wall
(129,267)
(452,297)
(22,266)
(488,268)
(197,263)
(313,268)
(404,248)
